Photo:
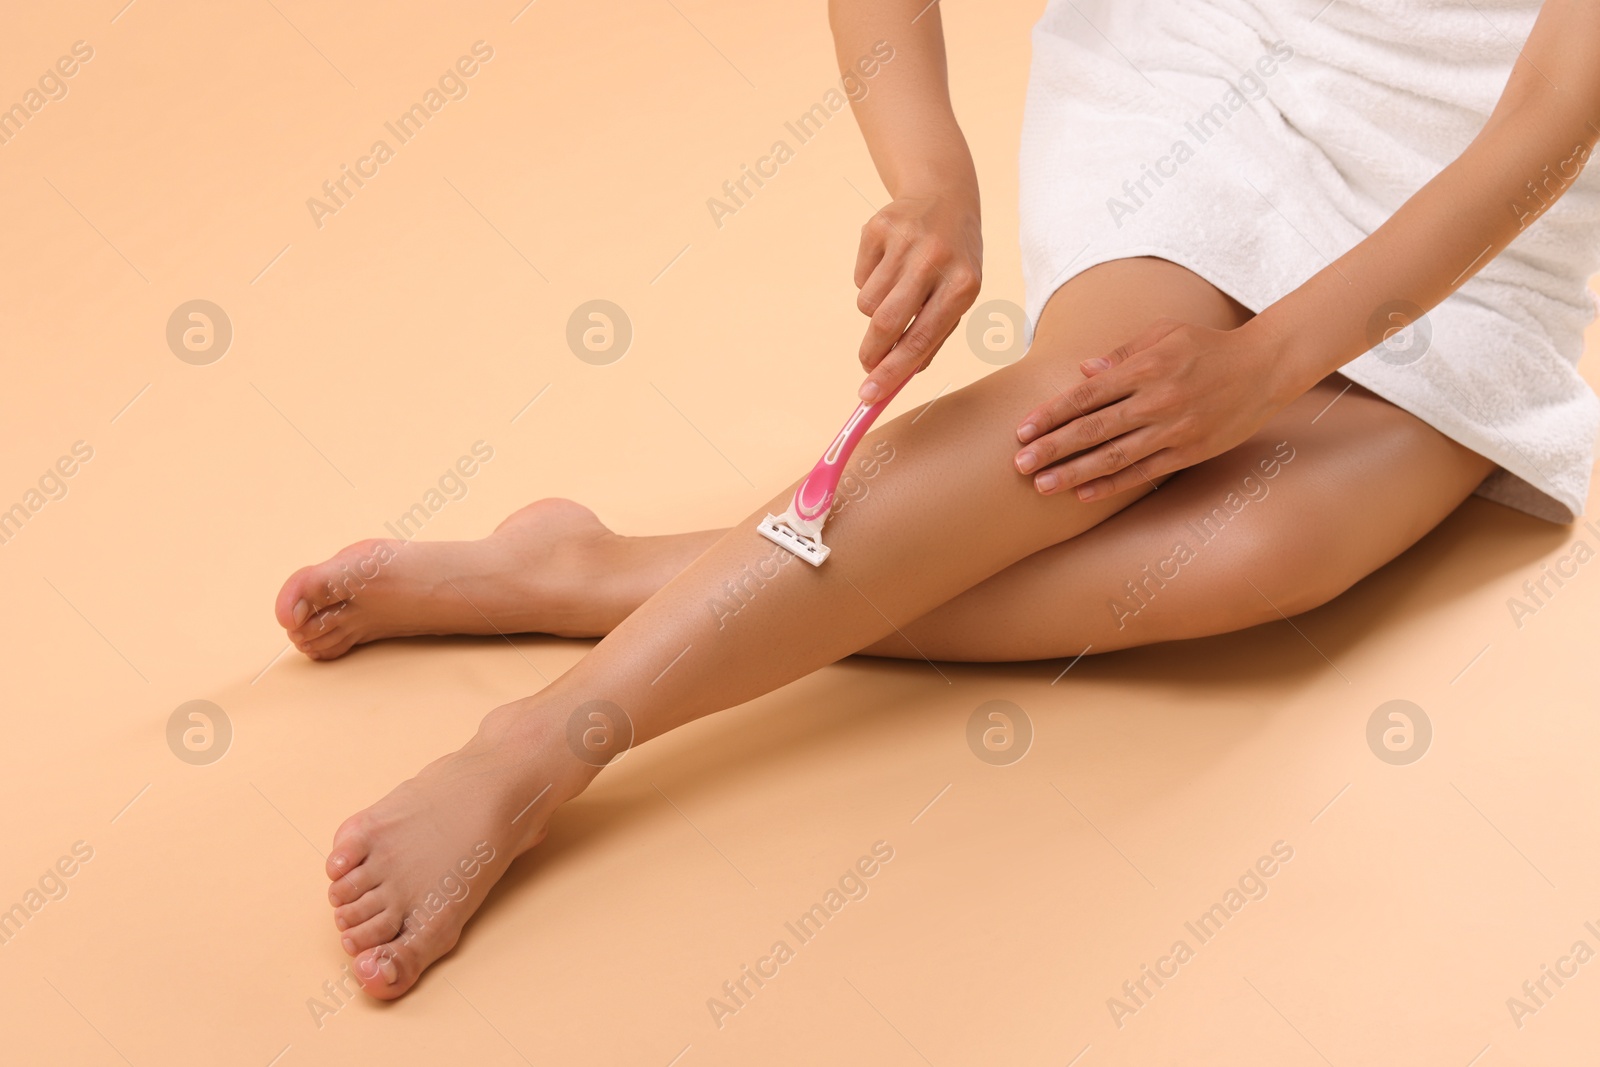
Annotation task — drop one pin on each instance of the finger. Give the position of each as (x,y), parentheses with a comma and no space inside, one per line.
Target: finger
(1078,435)
(928,362)
(874,242)
(1153,466)
(915,349)
(1120,354)
(891,319)
(1099,364)
(884,277)
(957,289)
(887,254)
(1117,454)
(1088,395)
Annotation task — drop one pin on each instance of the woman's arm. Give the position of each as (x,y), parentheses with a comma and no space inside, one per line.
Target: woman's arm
(921,257)
(1535,143)
(1182,394)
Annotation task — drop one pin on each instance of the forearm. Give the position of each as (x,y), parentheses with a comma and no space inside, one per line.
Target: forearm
(904,108)
(1527,155)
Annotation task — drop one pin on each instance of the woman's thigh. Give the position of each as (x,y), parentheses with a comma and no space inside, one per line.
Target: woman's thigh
(1336,485)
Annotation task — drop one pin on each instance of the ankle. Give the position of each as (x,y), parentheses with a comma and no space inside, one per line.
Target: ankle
(543,739)
(597,586)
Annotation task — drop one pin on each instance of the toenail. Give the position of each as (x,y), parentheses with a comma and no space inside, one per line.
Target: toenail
(340,923)
(349,946)
(302,611)
(391,973)
(340,861)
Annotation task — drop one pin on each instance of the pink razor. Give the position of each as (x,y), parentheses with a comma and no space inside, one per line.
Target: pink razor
(799,529)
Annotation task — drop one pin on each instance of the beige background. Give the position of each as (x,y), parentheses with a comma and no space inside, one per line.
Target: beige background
(370,353)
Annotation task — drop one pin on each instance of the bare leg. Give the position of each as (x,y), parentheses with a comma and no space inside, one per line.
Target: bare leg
(1015,615)
(549,568)
(948,514)
(952,466)
(1224,545)
(512,581)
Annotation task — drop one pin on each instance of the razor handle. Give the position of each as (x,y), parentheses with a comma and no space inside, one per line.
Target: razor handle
(815,494)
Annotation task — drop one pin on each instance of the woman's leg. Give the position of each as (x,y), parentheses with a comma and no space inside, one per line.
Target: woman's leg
(549,568)
(1317,500)
(960,451)
(946,515)
(516,576)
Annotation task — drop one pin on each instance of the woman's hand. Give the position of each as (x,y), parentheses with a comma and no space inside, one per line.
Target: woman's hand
(1172,397)
(920,265)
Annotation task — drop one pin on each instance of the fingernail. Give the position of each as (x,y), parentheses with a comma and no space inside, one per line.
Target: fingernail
(1084,492)
(1027,432)
(1046,481)
(391,973)
(869,392)
(1026,461)
(302,611)
(1097,363)
(349,946)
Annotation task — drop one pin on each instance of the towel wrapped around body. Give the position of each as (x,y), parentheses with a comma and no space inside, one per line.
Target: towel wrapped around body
(1255,142)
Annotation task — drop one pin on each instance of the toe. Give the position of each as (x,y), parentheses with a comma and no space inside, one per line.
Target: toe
(347,640)
(311,589)
(384,972)
(378,930)
(352,886)
(388,971)
(319,624)
(308,590)
(352,844)
(358,911)
(309,639)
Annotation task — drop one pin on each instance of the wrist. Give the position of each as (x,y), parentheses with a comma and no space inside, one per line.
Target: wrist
(1292,359)
(943,175)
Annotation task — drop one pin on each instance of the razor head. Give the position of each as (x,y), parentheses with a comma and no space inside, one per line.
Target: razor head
(779,533)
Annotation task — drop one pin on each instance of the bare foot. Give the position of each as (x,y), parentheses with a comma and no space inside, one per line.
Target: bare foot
(408,872)
(541,571)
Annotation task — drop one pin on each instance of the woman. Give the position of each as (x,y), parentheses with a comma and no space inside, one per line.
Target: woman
(1189,169)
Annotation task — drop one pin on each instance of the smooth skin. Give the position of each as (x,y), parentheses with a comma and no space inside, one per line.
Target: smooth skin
(950,555)
(957,551)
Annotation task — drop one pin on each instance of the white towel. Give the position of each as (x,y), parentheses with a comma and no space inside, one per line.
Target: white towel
(1255,143)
